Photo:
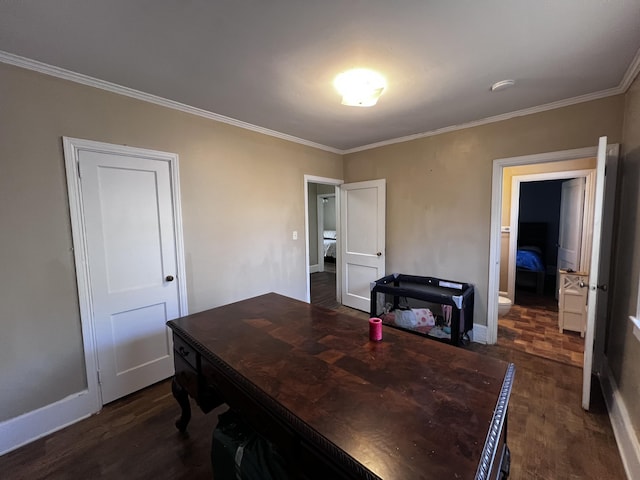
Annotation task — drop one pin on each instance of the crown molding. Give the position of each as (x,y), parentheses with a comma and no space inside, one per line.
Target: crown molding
(64,74)
(497,118)
(9,58)
(631,73)
(625,83)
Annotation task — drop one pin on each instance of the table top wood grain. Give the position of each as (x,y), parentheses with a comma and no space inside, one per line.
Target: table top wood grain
(403,408)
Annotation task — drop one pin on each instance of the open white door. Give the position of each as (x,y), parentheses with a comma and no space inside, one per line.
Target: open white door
(570,235)
(362,221)
(606,172)
(572,200)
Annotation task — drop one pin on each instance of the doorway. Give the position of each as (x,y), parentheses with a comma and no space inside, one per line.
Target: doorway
(322,213)
(360,211)
(501,217)
(545,224)
(129,256)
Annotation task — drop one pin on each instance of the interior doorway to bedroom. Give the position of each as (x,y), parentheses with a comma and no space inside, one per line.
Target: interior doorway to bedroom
(323,241)
(538,217)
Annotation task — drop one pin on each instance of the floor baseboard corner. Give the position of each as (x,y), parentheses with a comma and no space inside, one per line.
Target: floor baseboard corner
(626,437)
(26,428)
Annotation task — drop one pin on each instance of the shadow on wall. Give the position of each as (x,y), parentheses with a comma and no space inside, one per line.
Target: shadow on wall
(626,258)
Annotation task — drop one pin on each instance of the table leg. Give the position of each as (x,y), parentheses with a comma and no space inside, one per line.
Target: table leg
(182,397)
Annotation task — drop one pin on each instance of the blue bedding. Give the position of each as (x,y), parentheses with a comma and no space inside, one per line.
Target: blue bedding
(529,260)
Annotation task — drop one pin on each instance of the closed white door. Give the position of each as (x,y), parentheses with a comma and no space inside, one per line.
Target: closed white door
(606,174)
(130,237)
(362,218)
(571,214)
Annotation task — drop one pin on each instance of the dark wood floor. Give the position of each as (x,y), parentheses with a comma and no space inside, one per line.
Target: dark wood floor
(550,436)
(532,326)
(131,438)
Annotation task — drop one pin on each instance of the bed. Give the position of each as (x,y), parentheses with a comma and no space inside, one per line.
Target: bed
(329,240)
(530,255)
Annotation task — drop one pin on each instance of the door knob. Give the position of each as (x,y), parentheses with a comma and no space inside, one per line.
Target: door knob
(169,278)
(379,254)
(602,287)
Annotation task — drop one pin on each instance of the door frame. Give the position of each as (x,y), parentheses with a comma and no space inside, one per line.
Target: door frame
(496,220)
(324,181)
(72,148)
(320,213)
(587,218)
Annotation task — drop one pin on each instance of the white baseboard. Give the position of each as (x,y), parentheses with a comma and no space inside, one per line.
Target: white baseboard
(26,428)
(626,438)
(314,268)
(479,333)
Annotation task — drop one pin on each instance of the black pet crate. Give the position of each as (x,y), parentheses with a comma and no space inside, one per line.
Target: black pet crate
(407,296)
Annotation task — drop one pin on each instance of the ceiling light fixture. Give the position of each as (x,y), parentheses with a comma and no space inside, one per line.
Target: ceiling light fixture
(360,87)
(501,85)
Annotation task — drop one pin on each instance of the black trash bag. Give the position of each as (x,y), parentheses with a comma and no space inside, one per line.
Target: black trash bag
(239,453)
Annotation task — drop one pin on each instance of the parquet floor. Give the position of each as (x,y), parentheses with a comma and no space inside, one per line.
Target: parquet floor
(532,327)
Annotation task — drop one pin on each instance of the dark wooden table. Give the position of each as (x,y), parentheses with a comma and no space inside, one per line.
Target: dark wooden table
(338,405)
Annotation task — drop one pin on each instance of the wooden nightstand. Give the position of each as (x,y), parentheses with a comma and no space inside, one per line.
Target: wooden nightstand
(572,301)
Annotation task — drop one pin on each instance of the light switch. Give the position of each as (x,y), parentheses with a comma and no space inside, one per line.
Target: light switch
(295,235)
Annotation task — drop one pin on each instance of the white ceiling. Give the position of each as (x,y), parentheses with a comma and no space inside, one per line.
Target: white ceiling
(271,63)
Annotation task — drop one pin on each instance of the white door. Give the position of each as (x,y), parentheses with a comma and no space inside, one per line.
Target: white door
(571,212)
(131,250)
(362,220)
(606,172)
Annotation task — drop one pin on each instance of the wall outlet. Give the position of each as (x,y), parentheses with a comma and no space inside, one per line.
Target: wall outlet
(295,235)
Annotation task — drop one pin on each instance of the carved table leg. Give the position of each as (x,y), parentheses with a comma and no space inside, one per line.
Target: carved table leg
(180,394)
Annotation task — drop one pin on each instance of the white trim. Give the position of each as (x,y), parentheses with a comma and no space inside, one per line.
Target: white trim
(320,227)
(325,181)
(72,147)
(587,221)
(314,268)
(319,237)
(82,79)
(479,333)
(626,437)
(496,118)
(496,218)
(26,428)
(516,180)
(631,73)
(23,62)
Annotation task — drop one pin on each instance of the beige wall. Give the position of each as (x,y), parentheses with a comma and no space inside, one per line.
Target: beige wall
(507,179)
(242,196)
(439,187)
(623,348)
